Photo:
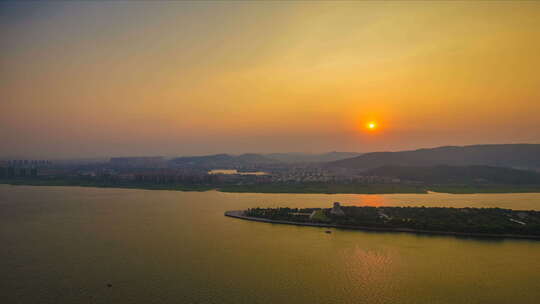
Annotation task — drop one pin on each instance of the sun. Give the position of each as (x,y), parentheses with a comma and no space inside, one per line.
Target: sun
(371,125)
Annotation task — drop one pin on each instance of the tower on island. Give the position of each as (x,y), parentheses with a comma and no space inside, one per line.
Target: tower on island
(336,210)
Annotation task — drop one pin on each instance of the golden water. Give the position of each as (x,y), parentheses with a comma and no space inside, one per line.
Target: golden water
(65,244)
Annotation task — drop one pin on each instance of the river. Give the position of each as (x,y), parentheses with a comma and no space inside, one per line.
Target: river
(65,244)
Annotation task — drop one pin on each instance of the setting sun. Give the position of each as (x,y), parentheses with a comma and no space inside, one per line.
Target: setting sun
(371,125)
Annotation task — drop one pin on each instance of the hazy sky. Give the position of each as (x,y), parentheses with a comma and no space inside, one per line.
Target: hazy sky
(97,78)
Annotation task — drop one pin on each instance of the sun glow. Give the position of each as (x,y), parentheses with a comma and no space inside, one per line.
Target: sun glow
(371,125)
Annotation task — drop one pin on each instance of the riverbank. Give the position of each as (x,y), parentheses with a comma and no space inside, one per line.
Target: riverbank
(97,184)
(306,188)
(325,188)
(467,189)
(316,188)
(239,214)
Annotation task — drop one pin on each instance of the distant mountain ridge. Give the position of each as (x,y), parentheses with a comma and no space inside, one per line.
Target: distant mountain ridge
(222,160)
(521,156)
(249,159)
(298,157)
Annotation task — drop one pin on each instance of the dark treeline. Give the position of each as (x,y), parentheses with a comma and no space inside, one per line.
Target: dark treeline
(461,220)
(282,213)
(444,174)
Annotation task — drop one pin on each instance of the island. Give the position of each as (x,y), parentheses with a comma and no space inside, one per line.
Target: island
(475,222)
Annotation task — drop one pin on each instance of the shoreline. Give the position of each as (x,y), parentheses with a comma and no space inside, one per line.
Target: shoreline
(239,214)
(271,190)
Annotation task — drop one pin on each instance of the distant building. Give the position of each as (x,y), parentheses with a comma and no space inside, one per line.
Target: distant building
(336,210)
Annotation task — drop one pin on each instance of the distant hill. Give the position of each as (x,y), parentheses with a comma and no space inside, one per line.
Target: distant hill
(522,156)
(249,159)
(295,157)
(222,160)
(459,174)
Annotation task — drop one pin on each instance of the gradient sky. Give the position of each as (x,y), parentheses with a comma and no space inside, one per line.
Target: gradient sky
(96,78)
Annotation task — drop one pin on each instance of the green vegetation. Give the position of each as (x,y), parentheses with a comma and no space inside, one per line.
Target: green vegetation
(494,221)
(464,175)
(470,189)
(320,216)
(325,188)
(285,214)
(104,184)
(255,188)
(278,188)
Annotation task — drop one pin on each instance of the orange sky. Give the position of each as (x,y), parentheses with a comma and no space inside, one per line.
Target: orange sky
(177,78)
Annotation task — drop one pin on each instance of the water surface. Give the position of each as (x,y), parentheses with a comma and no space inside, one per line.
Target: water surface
(234,171)
(65,244)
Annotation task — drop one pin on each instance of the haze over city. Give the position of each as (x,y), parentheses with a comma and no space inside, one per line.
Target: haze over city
(97,78)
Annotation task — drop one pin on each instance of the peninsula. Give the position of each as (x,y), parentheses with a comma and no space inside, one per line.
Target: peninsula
(476,222)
